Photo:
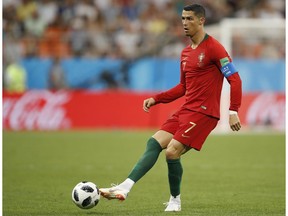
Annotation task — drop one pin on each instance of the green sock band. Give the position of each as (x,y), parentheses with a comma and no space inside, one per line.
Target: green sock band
(147,161)
(175,172)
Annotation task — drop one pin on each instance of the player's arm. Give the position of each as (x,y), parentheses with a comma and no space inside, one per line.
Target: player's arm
(232,76)
(175,92)
(171,94)
(164,97)
(167,96)
(147,103)
(226,66)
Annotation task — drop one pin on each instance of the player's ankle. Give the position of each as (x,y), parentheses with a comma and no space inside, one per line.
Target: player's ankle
(127,184)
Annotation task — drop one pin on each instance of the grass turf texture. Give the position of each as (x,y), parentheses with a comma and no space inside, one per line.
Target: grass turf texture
(232,175)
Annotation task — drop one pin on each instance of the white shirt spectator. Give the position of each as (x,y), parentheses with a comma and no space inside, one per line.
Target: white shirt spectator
(47,10)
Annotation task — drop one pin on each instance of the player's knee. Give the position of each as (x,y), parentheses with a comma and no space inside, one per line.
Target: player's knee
(172,153)
(163,138)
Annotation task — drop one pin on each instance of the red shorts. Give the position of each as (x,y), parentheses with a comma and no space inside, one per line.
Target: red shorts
(190,128)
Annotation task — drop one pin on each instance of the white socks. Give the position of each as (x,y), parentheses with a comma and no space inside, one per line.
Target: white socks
(127,184)
(177,198)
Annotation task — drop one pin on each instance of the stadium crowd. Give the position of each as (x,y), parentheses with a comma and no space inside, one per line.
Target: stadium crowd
(122,29)
(112,28)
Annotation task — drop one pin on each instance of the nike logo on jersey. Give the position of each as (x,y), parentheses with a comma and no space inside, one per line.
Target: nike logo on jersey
(185,136)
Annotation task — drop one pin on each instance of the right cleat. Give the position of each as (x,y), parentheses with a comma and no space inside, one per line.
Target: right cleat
(174,204)
(114,193)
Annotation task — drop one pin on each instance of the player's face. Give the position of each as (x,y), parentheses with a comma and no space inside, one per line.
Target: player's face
(191,23)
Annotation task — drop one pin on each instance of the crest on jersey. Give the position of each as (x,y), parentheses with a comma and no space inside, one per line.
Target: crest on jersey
(200,59)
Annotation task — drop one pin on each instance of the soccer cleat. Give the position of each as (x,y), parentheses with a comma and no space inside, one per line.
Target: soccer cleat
(115,192)
(174,204)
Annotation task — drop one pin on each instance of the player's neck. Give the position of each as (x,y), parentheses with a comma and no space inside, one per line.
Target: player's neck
(197,39)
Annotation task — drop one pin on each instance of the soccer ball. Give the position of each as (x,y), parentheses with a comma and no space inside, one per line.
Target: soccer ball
(86,195)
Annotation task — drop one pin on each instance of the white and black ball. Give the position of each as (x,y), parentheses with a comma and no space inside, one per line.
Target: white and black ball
(86,195)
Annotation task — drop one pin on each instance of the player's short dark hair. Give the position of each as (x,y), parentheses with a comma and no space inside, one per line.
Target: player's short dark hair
(198,10)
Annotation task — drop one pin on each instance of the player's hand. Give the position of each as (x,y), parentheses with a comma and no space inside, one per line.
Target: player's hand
(148,103)
(234,122)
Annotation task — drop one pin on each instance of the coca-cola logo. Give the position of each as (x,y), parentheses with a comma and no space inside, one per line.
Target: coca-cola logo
(43,110)
(267,109)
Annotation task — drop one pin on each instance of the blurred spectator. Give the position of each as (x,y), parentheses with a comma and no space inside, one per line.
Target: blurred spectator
(108,79)
(12,49)
(26,9)
(12,26)
(160,3)
(111,13)
(99,42)
(130,9)
(103,5)
(245,10)
(54,42)
(48,10)
(156,24)
(57,78)
(15,77)
(86,8)
(78,36)
(268,49)
(278,5)
(66,10)
(128,39)
(6,3)
(34,25)
(266,10)
(31,45)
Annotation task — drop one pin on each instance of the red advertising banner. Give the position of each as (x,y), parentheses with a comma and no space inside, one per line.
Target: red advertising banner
(46,110)
(263,109)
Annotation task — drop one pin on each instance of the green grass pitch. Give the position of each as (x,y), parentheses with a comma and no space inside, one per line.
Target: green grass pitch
(239,174)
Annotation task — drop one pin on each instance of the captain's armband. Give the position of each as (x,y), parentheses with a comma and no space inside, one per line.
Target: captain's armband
(228,69)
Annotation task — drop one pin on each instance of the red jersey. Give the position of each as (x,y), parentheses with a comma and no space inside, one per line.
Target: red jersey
(201,79)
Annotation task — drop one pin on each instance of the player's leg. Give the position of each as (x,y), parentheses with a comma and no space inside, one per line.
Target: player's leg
(154,147)
(175,171)
(192,132)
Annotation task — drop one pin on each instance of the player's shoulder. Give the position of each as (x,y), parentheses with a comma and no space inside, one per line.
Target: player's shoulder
(213,41)
(186,49)
(215,49)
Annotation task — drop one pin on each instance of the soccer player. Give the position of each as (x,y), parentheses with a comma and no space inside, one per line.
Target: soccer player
(204,64)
